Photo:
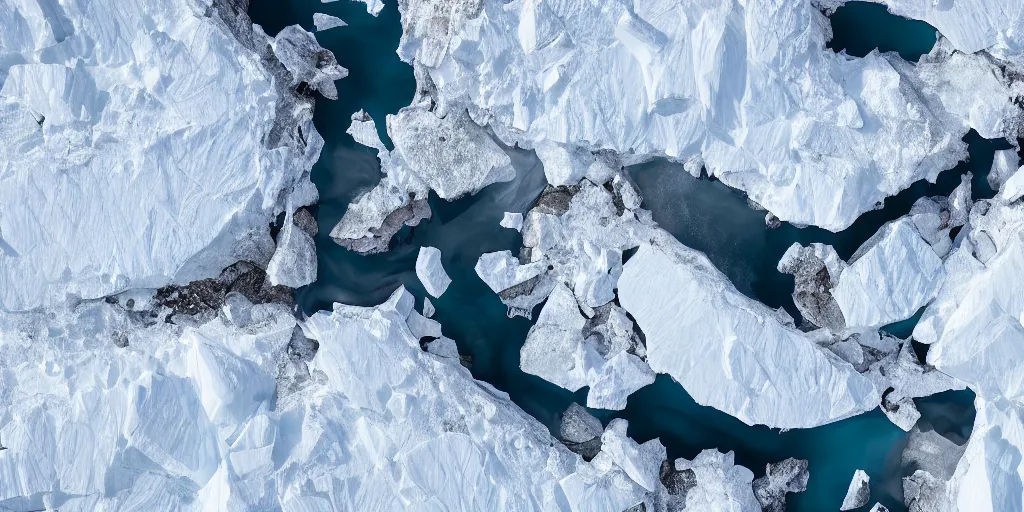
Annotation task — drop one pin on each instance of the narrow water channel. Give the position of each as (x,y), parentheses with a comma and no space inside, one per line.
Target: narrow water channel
(703,214)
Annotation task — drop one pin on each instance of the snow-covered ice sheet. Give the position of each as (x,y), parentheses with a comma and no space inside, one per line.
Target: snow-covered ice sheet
(235,414)
(126,162)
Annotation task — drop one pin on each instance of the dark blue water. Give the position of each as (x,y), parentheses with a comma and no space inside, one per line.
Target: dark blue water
(859,27)
(703,214)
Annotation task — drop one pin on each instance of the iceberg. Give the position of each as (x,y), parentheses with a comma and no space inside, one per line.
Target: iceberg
(752,96)
(512,221)
(1005,163)
(974,331)
(326,21)
(859,492)
(711,481)
(730,352)
(252,409)
(294,261)
(888,279)
(448,155)
(430,272)
(572,351)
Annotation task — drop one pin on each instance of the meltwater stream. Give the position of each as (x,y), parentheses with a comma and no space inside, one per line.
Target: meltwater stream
(703,214)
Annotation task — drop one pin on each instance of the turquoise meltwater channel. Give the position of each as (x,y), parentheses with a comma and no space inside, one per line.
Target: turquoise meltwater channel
(703,214)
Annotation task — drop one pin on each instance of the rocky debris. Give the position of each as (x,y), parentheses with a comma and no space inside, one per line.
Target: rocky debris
(307,62)
(780,479)
(816,268)
(580,431)
(305,221)
(430,272)
(859,492)
(204,297)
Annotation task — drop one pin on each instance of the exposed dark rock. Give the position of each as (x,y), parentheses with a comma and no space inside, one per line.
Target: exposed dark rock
(780,479)
(580,431)
(208,295)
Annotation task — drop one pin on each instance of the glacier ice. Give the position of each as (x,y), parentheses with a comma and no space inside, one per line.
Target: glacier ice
(731,352)
(572,351)
(114,124)
(294,261)
(711,481)
(748,92)
(974,331)
(343,411)
(1004,164)
(888,279)
(430,272)
(859,492)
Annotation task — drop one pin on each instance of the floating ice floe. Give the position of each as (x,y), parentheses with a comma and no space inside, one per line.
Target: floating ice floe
(430,272)
(512,221)
(326,21)
(859,492)
(449,155)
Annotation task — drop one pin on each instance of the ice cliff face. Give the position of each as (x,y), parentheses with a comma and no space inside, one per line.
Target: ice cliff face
(746,90)
(145,144)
